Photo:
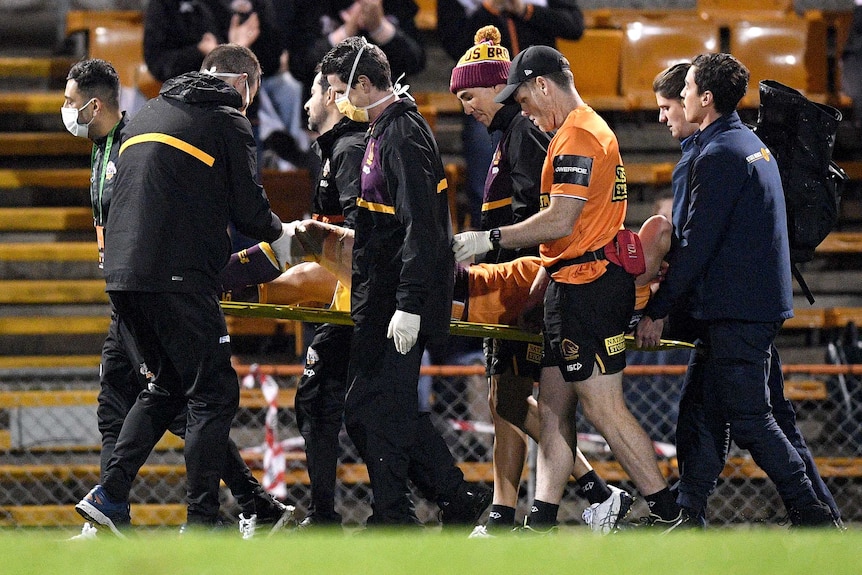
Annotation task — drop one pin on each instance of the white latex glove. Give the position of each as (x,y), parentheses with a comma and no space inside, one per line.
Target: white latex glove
(403,330)
(287,247)
(469,244)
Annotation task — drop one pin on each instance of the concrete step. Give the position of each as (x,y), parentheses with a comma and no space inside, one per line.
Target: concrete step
(54,144)
(52,219)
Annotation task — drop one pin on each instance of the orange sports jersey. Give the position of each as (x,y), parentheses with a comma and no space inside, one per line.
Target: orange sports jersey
(584,163)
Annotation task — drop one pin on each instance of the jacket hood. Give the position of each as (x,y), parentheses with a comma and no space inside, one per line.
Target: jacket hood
(201,88)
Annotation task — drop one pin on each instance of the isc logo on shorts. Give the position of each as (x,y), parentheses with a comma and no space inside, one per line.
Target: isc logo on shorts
(615,344)
(574,366)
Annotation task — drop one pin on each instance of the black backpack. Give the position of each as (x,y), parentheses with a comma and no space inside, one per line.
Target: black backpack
(801,136)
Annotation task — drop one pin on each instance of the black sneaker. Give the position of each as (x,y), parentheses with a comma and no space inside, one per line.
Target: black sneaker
(814,516)
(683,521)
(467,506)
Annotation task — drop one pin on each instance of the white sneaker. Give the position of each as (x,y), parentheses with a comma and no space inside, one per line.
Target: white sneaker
(480,532)
(248,525)
(87,532)
(604,517)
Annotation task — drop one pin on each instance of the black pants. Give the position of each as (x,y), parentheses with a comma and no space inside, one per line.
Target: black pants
(320,400)
(396,442)
(726,396)
(183,342)
(320,413)
(121,382)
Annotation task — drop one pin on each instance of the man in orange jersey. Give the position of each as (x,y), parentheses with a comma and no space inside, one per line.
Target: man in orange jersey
(589,300)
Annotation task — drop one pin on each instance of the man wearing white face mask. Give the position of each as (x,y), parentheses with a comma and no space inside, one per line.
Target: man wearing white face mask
(187,167)
(401,283)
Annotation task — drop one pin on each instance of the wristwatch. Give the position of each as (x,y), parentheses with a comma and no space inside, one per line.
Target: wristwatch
(494,236)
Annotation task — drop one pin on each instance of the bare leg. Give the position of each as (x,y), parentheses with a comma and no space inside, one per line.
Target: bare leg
(605,407)
(557,403)
(303,283)
(532,427)
(510,450)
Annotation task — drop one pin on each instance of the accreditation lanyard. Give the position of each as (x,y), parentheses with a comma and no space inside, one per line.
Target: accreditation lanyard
(97,205)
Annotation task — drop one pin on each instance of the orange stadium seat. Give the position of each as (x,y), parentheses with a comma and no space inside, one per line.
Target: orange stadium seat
(650,46)
(595,61)
(790,50)
(742,6)
(118,37)
(122,44)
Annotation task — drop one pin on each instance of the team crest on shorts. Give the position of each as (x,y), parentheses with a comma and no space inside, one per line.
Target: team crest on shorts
(615,344)
(569,350)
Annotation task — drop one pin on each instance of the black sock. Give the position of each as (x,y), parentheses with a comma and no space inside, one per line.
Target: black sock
(593,487)
(663,504)
(542,514)
(501,516)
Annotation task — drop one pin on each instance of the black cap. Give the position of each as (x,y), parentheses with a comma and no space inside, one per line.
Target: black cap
(532,62)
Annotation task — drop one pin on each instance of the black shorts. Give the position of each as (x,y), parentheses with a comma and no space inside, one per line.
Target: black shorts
(519,357)
(585,324)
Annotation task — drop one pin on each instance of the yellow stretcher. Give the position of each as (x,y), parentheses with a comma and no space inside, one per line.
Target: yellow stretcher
(456,327)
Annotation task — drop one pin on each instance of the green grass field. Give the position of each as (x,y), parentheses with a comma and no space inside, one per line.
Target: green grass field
(759,551)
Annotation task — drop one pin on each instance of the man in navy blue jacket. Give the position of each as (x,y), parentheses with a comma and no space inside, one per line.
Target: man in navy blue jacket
(733,265)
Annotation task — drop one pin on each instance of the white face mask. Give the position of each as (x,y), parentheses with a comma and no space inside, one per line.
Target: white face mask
(70,120)
(247,102)
(343,103)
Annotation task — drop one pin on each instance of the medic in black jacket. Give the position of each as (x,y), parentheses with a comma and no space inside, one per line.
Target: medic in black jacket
(401,255)
(402,275)
(334,200)
(187,168)
(320,393)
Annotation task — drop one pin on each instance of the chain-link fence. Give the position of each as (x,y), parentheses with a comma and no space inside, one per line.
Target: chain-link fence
(49,445)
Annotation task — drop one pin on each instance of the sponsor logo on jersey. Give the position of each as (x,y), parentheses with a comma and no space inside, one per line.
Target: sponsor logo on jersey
(620,189)
(571,169)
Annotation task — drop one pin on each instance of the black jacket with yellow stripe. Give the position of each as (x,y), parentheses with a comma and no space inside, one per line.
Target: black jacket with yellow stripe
(187,168)
(402,257)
